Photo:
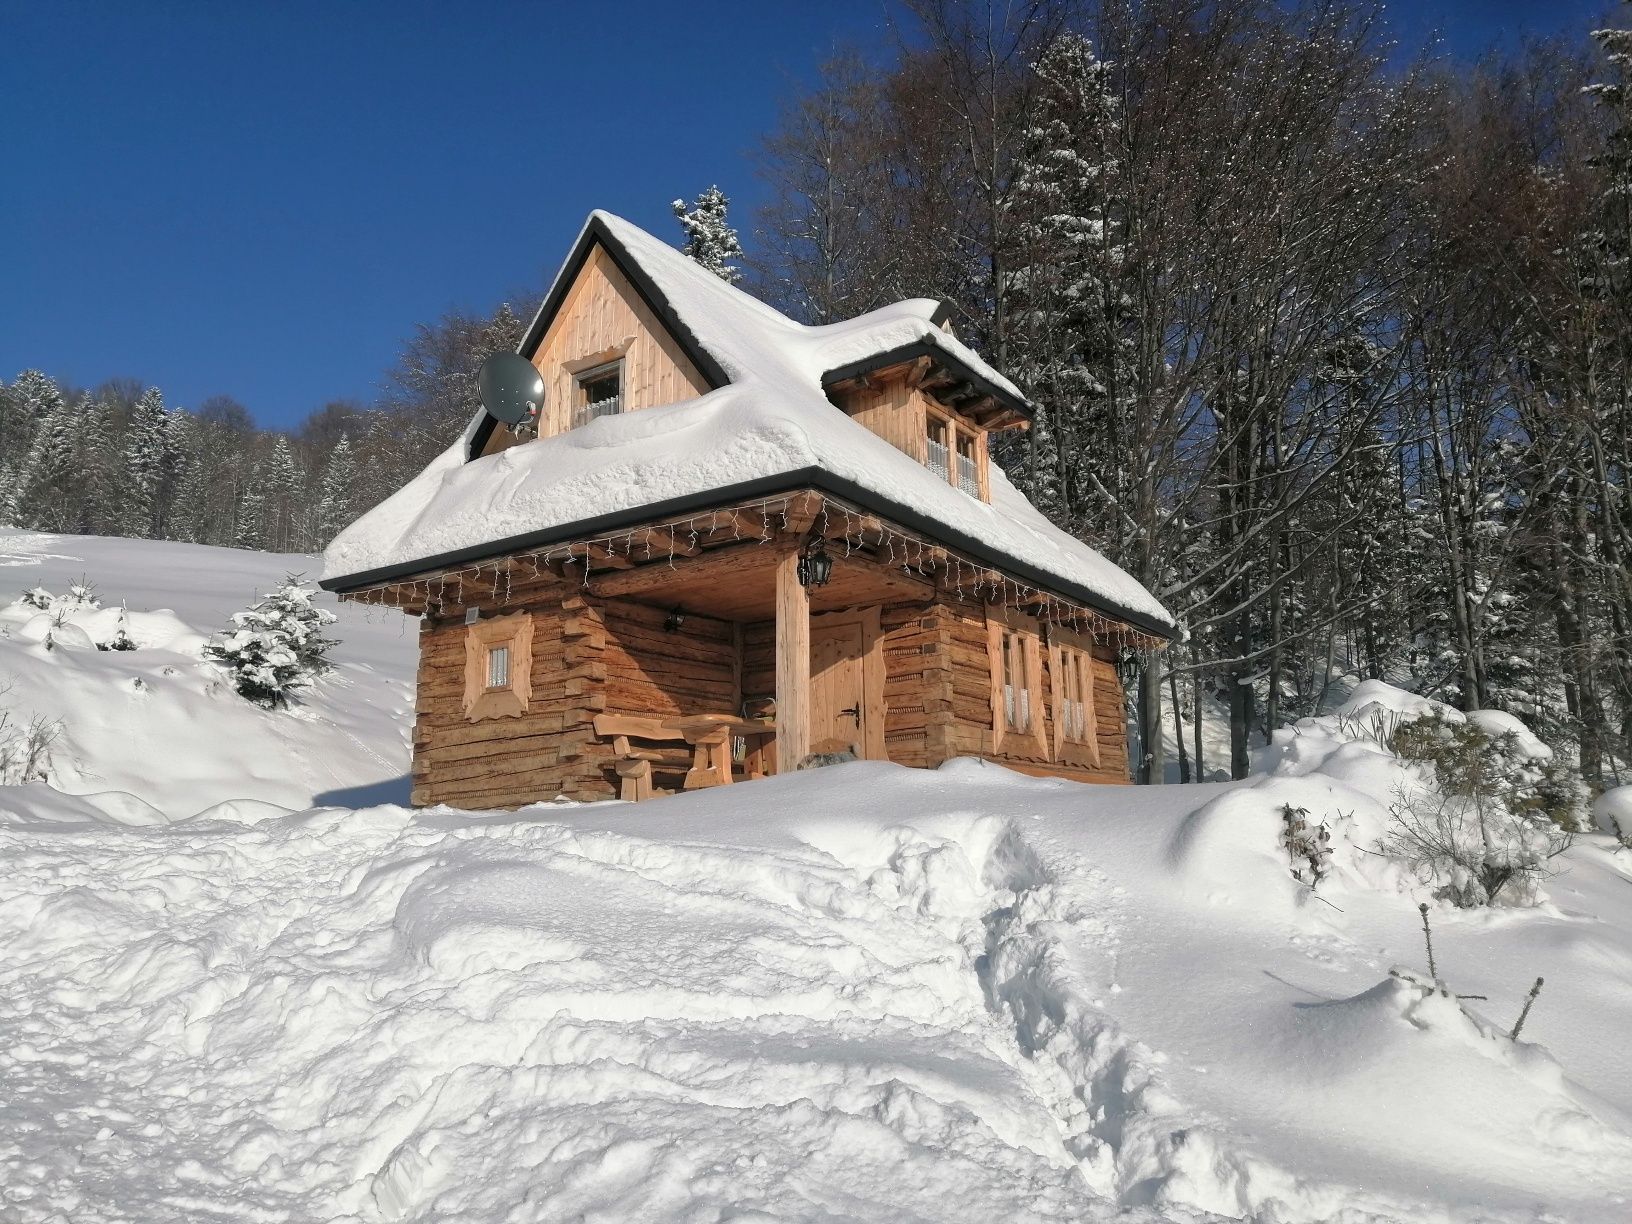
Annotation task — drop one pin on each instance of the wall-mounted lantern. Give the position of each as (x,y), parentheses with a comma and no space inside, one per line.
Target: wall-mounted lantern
(815,566)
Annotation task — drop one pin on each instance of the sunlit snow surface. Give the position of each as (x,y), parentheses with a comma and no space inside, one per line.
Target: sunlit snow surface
(859,993)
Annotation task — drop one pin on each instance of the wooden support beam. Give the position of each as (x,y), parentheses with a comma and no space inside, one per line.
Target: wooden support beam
(792,664)
(725,564)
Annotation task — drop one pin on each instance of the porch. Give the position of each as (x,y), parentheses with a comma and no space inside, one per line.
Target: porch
(759,634)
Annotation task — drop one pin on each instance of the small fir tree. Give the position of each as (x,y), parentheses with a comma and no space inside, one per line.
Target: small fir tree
(275,647)
(710,240)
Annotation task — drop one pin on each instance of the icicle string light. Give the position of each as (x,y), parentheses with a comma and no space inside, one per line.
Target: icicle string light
(835,520)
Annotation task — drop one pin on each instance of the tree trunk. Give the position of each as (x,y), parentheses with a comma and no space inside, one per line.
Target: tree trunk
(1150,720)
(1178,726)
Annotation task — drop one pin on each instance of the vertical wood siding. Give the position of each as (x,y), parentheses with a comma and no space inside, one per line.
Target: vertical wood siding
(603,315)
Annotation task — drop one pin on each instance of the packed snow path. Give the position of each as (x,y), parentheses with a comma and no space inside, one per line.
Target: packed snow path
(772,1003)
(344,1014)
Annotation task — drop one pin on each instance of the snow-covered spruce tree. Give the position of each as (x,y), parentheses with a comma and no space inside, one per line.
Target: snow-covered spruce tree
(100,469)
(1066,297)
(281,494)
(335,507)
(146,453)
(45,499)
(249,511)
(710,240)
(24,408)
(277,646)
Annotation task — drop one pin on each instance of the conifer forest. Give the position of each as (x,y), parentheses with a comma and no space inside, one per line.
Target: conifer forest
(1329,339)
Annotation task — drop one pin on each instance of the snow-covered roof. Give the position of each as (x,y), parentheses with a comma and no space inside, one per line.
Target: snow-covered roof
(768,425)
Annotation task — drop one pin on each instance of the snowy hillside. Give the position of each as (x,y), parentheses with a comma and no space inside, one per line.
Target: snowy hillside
(157,724)
(858,993)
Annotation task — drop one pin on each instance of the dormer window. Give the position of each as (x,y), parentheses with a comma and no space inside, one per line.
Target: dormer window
(955,452)
(599,392)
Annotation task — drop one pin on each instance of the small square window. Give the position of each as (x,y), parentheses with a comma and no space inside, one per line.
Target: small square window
(600,391)
(498,662)
(498,667)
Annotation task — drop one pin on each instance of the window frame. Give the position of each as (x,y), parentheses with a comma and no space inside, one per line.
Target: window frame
(596,373)
(958,433)
(1072,655)
(510,700)
(1014,643)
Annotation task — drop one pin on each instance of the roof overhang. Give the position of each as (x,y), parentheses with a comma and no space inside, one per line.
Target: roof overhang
(954,372)
(816,479)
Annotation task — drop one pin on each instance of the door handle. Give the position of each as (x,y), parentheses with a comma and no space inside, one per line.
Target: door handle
(854,712)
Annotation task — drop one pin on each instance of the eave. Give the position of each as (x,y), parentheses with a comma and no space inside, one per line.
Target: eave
(813,478)
(947,377)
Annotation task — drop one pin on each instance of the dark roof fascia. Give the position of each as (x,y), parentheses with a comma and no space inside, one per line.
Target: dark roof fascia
(818,479)
(927,348)
(596,231)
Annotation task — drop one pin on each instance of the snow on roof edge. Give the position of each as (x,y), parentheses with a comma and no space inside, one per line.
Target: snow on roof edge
(767,422)
(814,477)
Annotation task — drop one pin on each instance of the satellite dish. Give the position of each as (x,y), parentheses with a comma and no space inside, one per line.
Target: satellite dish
(512,389)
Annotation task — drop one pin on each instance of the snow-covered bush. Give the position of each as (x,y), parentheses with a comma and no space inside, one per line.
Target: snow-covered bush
(121,639)
(1612,812)
(1496,812)
(276,646)
(1493,753)
(81,597)
(75,620)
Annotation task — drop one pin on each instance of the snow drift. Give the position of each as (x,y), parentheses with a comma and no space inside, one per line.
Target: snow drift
(859,993)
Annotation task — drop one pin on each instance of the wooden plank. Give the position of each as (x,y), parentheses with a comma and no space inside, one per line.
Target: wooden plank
(792,663)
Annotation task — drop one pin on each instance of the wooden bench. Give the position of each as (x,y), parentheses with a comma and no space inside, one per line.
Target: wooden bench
(706,757)
(659,746)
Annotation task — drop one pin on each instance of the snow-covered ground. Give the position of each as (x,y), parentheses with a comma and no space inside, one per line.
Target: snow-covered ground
(857,993)
(155,727)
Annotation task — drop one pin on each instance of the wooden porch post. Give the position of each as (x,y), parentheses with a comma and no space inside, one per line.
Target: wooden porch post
(792,665)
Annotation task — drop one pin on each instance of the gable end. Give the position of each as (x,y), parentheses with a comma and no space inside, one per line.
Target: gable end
(596,234)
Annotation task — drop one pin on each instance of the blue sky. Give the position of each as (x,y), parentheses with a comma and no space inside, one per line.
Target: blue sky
(263,200)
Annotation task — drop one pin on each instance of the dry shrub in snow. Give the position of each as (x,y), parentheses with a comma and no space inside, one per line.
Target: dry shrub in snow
(1308,846)
(1494,816)
(25,747)
(276,646)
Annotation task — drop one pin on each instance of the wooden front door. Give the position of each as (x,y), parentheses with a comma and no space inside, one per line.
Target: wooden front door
(847,684)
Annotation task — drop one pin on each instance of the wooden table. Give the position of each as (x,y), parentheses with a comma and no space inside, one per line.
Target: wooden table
(710,736)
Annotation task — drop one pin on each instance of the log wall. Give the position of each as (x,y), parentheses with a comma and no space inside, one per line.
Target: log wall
(591,656)
(967,688)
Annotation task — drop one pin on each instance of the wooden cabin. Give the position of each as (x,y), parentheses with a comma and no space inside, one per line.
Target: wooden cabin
(733,545)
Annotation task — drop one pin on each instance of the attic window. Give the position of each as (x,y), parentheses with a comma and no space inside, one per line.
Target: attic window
(599,392)
(956,452)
